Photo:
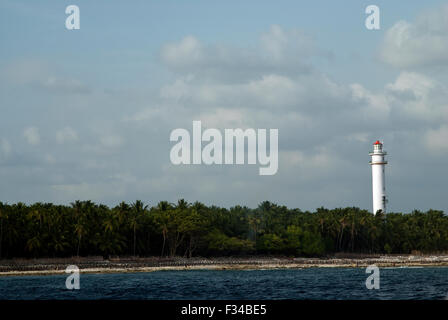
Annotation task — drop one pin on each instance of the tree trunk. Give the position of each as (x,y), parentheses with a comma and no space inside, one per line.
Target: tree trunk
(149,243)
(134,239)
(177,241)
(340,237)
(79,242)
(353,237)
(163,245)
(190,247)
(1,237)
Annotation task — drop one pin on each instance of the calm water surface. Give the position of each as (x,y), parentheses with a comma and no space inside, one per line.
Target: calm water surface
(313,283)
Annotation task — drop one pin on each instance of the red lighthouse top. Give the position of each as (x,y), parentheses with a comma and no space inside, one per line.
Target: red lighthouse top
(377,142)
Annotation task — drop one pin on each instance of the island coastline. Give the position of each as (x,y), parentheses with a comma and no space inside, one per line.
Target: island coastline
(55,266)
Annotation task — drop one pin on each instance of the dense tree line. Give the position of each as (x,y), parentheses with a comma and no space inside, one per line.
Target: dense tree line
(183,229)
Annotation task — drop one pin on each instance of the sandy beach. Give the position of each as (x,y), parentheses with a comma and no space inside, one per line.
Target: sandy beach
(15,267)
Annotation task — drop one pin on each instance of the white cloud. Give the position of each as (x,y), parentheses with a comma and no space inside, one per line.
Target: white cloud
(91,191)
(40,75)
(49,159)
(278,51)
(66,134)
(371,106)
(421,43)
(307,92)
(111,141)
(32,136)
(144,115)
(5,147)
(437,140)
(279,44)
(359,136)
(417,84)
(22,72)
(416,95)
(319,160)
(64,85)
(223,118)
(188,51)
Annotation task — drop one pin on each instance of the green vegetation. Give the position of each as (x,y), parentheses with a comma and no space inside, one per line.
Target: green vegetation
(184,229)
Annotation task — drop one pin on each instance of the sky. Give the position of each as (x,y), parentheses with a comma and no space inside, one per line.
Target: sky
(87,114)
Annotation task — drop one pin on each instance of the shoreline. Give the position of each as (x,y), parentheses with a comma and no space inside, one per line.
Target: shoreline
(92,265)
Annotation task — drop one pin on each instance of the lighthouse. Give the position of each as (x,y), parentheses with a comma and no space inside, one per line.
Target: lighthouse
(378,164)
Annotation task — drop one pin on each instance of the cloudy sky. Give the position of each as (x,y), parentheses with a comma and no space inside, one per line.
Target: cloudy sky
(87,114)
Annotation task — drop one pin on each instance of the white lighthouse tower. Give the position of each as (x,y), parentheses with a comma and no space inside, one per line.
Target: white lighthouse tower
(378,184)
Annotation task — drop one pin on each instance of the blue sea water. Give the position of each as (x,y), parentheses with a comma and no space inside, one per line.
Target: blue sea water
(313,283)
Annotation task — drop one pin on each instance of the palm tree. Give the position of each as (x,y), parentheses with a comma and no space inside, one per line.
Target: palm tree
(137,209)
(80,230)
(123,210)
(111,241)
(162,220)
(33,245)
(2,217)
(80,225)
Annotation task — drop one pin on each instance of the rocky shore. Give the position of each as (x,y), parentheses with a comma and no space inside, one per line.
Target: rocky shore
(13,267)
